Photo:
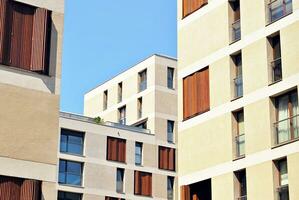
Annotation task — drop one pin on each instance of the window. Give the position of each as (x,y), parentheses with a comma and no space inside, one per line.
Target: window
(287,120)
(138,153)
(116,149)
(170,77)
(142,183)
(113,198)
(196,95)
(139,107)
(122,115)
(170,185)
(120,173)
(70,172)
(69,196)
(239,133)
(281,179)
(237,75)
(240,185)
(170,131)
(142,80)
(25,33)
(275,58)
(71,142)
(278,9)
(190,6)
(166,158)
(105,100)
(235,20)
(120,92)
(142,124)
(197,191)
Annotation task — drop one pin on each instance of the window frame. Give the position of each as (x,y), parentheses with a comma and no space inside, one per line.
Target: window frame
(121,182)
(170,79)
(74,133)
(65,173)
(140,145)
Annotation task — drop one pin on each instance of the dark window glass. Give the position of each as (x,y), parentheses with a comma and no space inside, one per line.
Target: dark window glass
(142,80)
(71,142)
(70,172)
(120,180)
(170,183)
(170,129)
(138,153)
(69,196)
(170,77)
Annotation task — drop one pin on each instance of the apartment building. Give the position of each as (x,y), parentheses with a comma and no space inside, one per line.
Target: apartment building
(31,34)
(110,161)
(238,78)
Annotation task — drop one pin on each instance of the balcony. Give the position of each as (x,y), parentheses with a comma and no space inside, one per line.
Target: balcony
(238,87)
(242,197)
(278,9)
(240,145)
(276,71)
(235,31)
(286,130)
(283,193)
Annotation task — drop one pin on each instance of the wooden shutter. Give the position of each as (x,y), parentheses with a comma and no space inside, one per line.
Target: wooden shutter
(203,91)
(3,4)
(185,192)
(187,96)
(121,155)
(40,40)
(189,6)
(30,190)
(137,183)
(21,35)
(166,158)
(146,184)
(171,159)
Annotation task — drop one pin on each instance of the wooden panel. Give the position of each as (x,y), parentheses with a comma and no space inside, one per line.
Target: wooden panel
(30,190)
(3,4)
(203,92)
(39,40)
(171,159)
(137,183)
(190,6)
(121,157)
(166,158)
(185,192)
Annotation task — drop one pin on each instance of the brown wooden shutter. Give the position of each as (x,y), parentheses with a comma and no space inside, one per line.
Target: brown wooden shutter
(121,150)
(146,184)
(39,40)
(203,91)
(3,4)
(137,183)
(21,35)
(30,190)
(187,97)
(185,192)
(171,159)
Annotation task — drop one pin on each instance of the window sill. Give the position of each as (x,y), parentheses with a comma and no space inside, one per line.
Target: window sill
(235,41)
(115,161)
(239,158)
(24,70)
(236,98)
(285,143)
(73,154)
(274,82)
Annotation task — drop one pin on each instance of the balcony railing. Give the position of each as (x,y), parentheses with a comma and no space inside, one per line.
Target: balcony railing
(238,87)
(283,192)
(242,197)
(286,130)
(235,31)
(240,145)
(276,70)
(279,8)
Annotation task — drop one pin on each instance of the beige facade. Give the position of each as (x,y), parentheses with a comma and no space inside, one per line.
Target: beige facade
(30,112)
(99,175)
(207,141)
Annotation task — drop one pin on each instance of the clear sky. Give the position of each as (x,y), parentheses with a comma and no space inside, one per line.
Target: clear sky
(103,38)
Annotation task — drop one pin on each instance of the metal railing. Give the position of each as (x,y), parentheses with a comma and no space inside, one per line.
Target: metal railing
(238,86)
(276,70)
(236,31)
(278,9)
(106,123)
(286,130)
(240,145)
(283,192)
(242,197)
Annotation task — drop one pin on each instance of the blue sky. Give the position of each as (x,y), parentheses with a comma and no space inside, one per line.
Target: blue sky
(103,38)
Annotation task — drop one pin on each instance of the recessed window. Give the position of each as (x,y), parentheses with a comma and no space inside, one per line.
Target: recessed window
(120,174)
(122,115)
(70,172)
(277,9)
(190,6)
(274,56)
(113,198)
(196,96)
(105,100)
(281,179)
(142,76)
(197,191)
(120,92)
(139,107)
(69,196)
(239,133)
(170,77)
(138,153)
(142,183)
(240,185)
(237,75)
(286,127)
(25,39)
(235,20)
(71,142)
(166,158)
(116,149)
(170,186)
(170,131)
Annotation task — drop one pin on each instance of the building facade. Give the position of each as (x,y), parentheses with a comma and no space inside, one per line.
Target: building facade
(238,78)
(112,161)
(31,34)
